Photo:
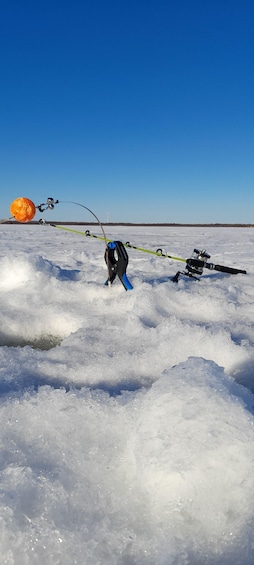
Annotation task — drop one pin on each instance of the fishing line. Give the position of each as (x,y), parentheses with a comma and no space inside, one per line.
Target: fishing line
(91,212)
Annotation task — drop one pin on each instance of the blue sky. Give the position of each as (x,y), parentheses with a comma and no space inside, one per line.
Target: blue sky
(141,110)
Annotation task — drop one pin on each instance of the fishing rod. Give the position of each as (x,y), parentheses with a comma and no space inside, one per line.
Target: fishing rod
(194,264)
(116,257)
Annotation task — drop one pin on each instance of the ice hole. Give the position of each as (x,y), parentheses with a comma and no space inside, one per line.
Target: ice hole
(43,342)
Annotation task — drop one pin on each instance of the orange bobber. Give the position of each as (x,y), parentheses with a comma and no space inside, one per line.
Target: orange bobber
(22,209)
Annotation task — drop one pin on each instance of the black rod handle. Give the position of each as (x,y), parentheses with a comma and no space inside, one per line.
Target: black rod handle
(224,269)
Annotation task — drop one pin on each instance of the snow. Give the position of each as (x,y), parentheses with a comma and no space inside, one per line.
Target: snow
(127,427)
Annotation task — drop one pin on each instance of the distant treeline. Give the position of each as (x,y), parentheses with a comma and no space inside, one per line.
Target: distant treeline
(158,225)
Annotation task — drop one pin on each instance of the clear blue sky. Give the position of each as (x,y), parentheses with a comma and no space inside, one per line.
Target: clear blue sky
(142,110)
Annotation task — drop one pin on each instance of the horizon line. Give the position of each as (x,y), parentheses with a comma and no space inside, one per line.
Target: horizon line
(145,224)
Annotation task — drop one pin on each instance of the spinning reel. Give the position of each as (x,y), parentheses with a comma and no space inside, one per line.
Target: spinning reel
(194,265)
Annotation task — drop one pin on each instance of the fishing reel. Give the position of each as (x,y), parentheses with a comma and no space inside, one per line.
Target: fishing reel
(48,205)
(194,265)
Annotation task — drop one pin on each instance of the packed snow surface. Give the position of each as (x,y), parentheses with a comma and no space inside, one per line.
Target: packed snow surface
(127,427)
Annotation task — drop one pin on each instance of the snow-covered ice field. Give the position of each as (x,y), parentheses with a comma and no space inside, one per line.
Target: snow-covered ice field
(127,418)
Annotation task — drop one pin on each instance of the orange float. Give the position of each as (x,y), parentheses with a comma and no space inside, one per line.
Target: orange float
(22,209)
